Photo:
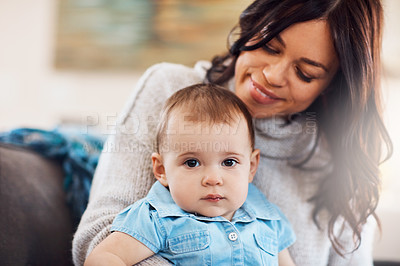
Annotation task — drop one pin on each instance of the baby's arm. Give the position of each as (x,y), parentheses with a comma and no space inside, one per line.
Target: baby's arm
(118,249)
(285,259)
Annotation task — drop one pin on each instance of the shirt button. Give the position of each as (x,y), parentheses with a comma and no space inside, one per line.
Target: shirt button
(233,236)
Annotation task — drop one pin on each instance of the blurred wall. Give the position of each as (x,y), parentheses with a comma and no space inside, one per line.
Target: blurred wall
(33,94)
(388,244)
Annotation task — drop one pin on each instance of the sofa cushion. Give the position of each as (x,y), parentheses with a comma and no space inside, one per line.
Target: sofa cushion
(35,222)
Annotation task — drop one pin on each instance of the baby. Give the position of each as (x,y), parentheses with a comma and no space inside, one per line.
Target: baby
(203,209)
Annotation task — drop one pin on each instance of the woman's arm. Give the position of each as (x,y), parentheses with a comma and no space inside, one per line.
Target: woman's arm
(124,173)
(118,249)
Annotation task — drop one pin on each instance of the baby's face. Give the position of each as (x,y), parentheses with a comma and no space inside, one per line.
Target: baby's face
(208,167)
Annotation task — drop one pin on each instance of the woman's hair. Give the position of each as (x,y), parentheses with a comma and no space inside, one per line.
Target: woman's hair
(349,112)
(207,103)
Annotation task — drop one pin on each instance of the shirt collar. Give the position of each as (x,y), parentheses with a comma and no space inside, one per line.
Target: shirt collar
(160,198)
(255,207)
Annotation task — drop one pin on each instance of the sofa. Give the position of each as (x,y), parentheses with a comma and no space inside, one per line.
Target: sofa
(36,225)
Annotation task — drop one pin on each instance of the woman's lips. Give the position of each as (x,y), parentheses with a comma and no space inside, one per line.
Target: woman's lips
(213,197)
(261,95)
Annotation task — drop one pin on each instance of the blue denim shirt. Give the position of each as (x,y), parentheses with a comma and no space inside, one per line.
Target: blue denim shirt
(257,233)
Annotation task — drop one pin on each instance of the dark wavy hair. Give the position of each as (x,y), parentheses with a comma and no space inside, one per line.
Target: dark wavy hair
(349,112)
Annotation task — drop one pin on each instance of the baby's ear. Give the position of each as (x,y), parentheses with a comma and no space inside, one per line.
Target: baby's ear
(254,160)
(158,169)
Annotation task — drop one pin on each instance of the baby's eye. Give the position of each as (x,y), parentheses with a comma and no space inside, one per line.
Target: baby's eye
(191,163)
(229,162)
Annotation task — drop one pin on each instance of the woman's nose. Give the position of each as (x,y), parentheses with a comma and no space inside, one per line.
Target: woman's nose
(212,178)
(276,74)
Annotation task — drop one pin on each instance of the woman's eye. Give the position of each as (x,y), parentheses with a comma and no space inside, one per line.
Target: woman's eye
(270,50)
(303,76)
(229,162)
(191,163)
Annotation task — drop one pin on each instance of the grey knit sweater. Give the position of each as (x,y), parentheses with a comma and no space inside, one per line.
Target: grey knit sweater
(124,173)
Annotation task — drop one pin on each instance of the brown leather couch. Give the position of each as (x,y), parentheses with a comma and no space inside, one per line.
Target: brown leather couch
(35,221)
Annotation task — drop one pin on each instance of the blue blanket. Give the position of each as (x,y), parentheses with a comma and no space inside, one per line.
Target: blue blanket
(78,153)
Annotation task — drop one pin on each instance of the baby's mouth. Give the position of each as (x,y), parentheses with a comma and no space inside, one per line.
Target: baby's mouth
(213,197)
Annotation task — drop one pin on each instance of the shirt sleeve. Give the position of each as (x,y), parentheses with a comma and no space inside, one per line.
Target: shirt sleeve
(285,232)
(142,223)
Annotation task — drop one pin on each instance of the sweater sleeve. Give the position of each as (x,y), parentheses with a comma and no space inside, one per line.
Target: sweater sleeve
(363,255)
(124,172)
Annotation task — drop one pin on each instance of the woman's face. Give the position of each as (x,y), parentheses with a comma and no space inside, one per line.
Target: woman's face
(287,74)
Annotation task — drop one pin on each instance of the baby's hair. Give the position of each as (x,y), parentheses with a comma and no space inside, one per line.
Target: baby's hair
(207,103)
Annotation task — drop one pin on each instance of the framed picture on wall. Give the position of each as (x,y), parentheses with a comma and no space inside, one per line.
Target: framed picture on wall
(134,34)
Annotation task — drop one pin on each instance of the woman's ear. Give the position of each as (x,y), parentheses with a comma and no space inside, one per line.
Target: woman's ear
(158,169)
(254,160)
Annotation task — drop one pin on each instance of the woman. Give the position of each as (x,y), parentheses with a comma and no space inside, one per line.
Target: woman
(309,73)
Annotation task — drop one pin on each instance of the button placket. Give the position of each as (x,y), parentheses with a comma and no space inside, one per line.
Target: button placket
(232,236)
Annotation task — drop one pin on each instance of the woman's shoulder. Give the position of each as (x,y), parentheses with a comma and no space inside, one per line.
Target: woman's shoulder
(199,66)
(177,74)
(158,83)
(163,79)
